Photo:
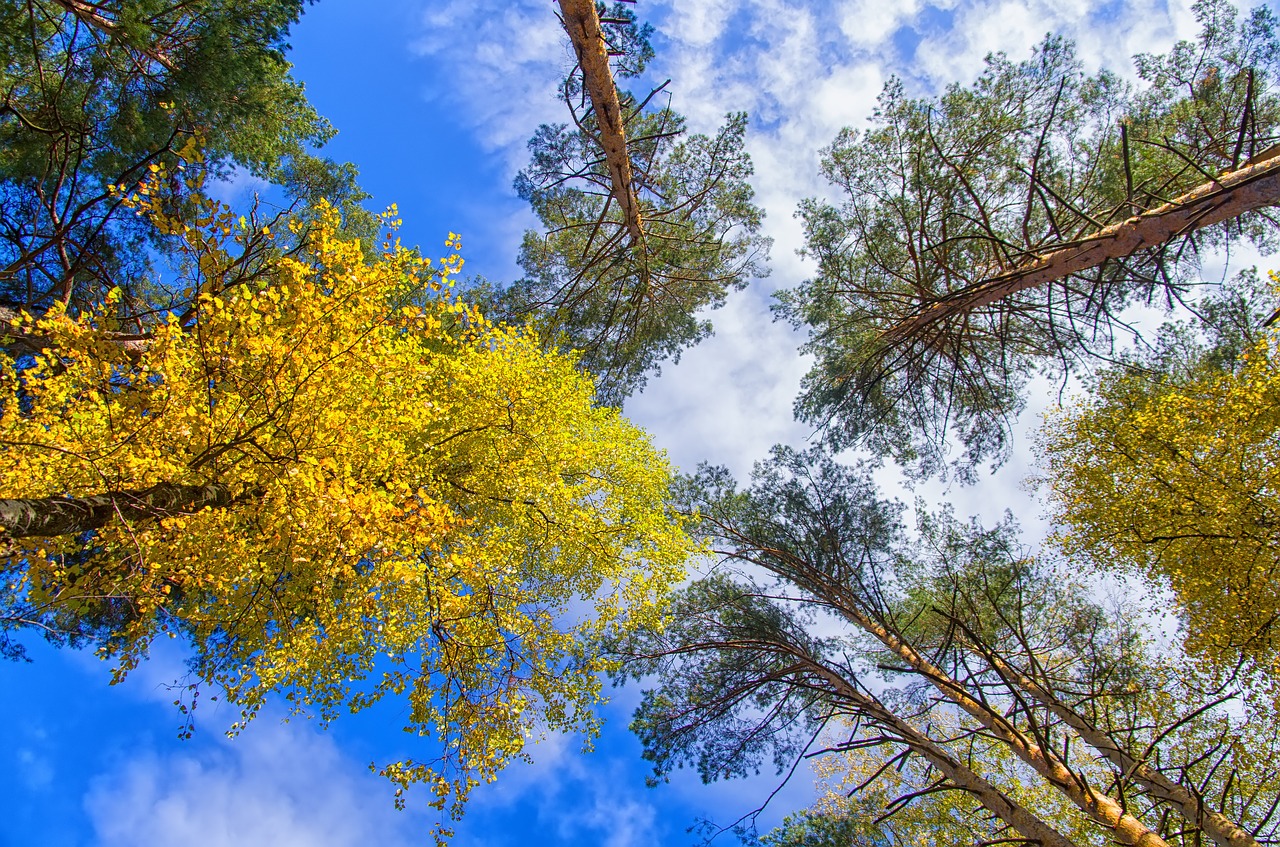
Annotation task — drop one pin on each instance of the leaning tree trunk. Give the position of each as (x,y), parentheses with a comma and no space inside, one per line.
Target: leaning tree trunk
(52,516)
(583,25)
(1102,808)
(964,778)
(1224,831)
(1252,187)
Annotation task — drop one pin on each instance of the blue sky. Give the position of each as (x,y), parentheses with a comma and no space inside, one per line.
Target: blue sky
(433,100)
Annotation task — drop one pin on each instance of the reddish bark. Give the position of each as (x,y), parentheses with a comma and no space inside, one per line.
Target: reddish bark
(582,23)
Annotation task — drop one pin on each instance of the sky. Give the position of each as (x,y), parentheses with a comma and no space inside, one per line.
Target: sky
(434,100)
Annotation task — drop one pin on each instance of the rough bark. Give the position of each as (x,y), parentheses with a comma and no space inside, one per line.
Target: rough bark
(53,516)
(582,23)
(1252,187)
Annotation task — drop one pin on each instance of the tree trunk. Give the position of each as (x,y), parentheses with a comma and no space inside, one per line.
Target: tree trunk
(1224,831)
(583,25)
(52,516)
(1102,808)
(1029,825)
(19,337)
(1252,187)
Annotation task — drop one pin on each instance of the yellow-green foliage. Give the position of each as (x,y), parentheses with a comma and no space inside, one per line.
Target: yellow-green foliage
(428,506)
(1179,479)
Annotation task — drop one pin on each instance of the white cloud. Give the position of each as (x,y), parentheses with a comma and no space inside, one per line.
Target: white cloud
(1106,34)
(869,23)
(619,821)
(582,798)
(237,187)
(700,24)
(278,784)
(729,399)
(600,798)
(496,68)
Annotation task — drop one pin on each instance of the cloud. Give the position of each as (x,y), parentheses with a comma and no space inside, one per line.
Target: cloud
(729,399)
(600,798)
(496,67)
(278,784)
(700,24)
(1106,34)
(870,23)
(34,767)
(614,819)
(236,187)
(574,797)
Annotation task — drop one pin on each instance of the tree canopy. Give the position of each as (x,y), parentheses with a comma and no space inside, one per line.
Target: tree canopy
(1169,469)
(97,95)
(954,660)
(1000,230)
(337,484)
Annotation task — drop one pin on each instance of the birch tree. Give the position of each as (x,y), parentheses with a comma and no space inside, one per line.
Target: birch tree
(1167,470)
(339,484)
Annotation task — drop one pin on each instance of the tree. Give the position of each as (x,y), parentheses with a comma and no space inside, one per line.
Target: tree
(644,226)
(339,483)
(741,680)
(1000,230)
(97,95)
(1168,470)
(582,22)
(863,803)
(958,652)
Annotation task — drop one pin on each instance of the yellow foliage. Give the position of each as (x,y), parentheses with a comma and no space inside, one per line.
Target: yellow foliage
(426,505)
(1179,480)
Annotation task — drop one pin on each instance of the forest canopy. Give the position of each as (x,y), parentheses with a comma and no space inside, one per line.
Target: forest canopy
(1000,231)
(346,478)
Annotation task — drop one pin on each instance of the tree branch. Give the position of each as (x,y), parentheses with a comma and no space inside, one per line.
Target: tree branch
(18,338)
(52,516)
(1252,187)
